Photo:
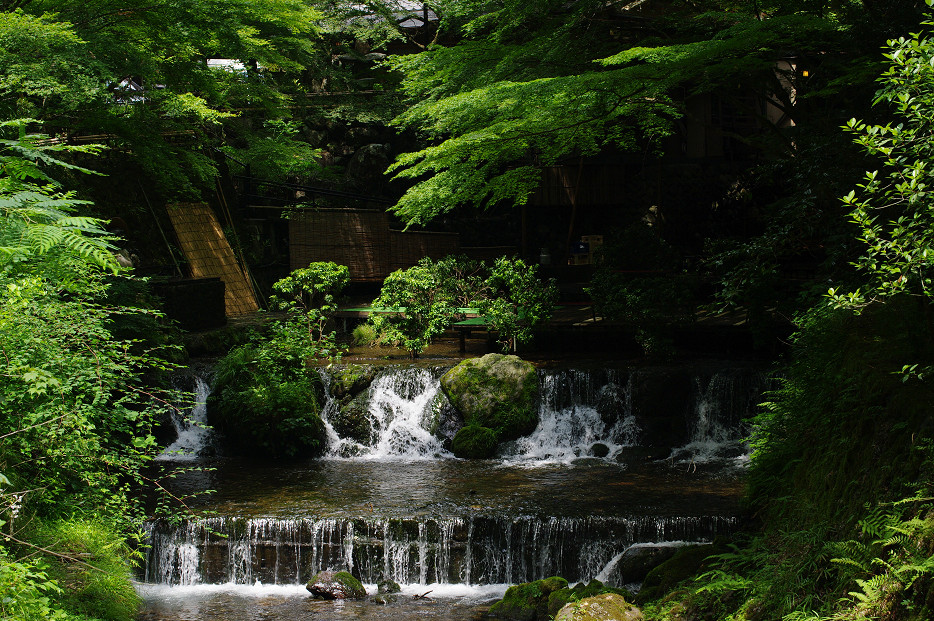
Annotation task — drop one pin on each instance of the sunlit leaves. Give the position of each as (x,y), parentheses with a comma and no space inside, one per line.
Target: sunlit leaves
(892,205)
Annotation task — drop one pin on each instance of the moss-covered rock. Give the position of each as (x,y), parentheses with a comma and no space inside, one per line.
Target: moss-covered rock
(496,391)
(473,442)
(349,380)
(335,585)
(604,607)
(687,562)
(560,598)
(352,419)
(528,601)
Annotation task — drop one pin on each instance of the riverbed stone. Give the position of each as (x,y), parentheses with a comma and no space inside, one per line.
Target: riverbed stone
(335,585)
(687,562)
(528,601)
(388,586)
(639,559)
(496,391)
(560,598)
(604,607)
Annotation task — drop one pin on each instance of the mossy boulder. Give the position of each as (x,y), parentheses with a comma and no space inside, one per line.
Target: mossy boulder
(335,585)
(639,559)
(528,601)
(560,598)
(349,380)
(473,442)
(687,562)
(495,391)
(352,419)
(604,607)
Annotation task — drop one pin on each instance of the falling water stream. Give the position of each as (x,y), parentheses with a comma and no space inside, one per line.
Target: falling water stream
(593,481)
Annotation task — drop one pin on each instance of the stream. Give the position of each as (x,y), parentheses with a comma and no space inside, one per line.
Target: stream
(456,533)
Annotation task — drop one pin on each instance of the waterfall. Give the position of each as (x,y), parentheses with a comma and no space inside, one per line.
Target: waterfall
(717,429)
(430,550)
(582,414)
(398,413)
(193,434)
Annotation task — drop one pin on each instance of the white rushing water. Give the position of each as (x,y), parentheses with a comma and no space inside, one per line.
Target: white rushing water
(193,433)
(578,418)
(715,431)
(399,413)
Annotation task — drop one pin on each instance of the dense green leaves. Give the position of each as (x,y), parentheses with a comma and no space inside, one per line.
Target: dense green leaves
(892,206)
(420,303)
(576,79)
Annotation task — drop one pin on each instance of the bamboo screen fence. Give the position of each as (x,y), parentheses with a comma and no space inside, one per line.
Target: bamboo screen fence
(362,240)
(209,255)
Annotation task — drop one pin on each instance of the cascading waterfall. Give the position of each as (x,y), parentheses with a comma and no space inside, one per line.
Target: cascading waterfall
(442,550)
(581,415)
(717,428)
(399,413)
(573,498)
(191,429)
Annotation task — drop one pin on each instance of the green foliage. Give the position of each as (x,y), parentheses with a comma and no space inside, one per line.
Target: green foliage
(364,334)
(25,591)
(891,206)
(514,300)
(267,399)
(508,294)
(419,305)
(309,295)
(638,283)
(530,84)
(75,414)
(77,403)
(94,574)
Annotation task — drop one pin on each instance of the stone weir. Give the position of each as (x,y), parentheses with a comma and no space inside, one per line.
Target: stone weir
(469,550)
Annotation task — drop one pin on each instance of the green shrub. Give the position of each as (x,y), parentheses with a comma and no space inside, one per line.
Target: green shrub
(267,403)
(26,591)
(364,334)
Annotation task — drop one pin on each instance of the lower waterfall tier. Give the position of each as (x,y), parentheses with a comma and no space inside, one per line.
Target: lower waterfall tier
(475,550)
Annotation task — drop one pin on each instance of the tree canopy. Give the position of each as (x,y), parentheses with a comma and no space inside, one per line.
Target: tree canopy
(520,85)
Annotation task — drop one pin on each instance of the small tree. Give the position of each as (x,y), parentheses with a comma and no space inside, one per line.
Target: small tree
(515,300)
(419,304)
(310,294)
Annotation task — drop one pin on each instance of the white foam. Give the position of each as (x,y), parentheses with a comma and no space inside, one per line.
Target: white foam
(193,432)
(164,592)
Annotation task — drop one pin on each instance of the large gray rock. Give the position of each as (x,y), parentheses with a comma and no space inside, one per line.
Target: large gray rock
(335,585)
(605,607)
(349,380)
(496,391)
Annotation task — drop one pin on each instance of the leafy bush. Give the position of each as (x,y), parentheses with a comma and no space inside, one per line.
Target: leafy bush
(266,399)
(421,306)
(514,301)
(25,591)
(508,294)
(638,283)
(97,583)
